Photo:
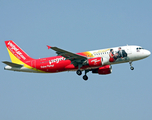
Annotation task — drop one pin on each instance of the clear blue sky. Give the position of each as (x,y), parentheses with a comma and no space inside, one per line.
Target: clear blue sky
(76,26)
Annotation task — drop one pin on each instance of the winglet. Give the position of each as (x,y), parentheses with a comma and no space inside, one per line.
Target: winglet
(48,46)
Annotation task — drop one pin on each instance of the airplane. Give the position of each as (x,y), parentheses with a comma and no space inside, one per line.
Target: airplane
(97,61)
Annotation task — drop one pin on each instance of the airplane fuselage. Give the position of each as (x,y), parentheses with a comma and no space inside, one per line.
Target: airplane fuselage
(60,64)
(97,61)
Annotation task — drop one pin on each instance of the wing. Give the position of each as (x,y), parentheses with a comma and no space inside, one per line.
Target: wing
(75,58)
(12,64)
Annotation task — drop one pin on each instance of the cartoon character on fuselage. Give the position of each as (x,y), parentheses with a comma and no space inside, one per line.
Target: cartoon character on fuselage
(97,61)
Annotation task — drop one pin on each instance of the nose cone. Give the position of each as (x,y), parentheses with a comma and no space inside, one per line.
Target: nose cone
(147,53)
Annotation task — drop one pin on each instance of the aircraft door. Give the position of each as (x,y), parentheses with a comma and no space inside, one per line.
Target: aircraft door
(33,63)
(129,50)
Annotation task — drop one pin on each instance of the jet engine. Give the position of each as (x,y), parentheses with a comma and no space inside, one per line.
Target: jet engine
(106,69)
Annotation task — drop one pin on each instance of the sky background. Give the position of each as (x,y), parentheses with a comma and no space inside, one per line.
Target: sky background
(76,26)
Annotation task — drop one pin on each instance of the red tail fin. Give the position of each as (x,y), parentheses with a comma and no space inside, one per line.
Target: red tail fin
(15,52)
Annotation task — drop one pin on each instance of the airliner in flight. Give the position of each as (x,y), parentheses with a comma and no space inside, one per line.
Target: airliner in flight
(97,61)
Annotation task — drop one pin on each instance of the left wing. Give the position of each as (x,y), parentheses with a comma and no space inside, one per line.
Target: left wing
(75,58)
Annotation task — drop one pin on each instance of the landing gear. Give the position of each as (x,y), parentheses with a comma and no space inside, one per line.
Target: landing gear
(131,67)
(85,77)
(79,72)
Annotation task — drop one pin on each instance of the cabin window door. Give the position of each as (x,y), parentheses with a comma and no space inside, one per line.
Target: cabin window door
(33,63)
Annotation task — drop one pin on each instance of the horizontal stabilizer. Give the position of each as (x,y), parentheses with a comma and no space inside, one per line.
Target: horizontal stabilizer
(12,64)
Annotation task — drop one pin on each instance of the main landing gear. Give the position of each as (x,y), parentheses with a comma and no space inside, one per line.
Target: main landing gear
(85,77)
(79,72)
(131,67)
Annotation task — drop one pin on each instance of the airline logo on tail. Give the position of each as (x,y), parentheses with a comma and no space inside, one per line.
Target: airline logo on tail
(17,55)
(15,51)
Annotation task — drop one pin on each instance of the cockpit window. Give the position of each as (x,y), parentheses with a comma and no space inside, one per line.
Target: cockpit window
(139,48)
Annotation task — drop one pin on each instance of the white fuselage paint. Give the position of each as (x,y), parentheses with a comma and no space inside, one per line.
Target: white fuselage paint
(132,54)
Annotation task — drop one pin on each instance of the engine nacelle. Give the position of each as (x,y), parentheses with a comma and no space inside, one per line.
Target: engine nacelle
(107,69)
(95,61)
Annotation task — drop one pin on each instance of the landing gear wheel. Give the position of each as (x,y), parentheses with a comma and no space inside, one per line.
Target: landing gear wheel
(79,72)
(85,77)
(132,68)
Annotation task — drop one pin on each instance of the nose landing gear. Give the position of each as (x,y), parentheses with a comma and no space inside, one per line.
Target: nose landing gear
(131,67)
